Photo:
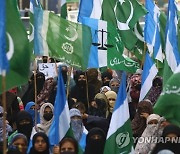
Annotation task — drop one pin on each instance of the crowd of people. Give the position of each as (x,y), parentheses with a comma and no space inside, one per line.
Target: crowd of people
(91,98)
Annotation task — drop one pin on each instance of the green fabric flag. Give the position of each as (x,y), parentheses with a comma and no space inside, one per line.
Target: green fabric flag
(168,104)
(116,60)
(119,137)
(162,20)
(64,40)
(124,14)
(138,49)
(17,48)
(63,9)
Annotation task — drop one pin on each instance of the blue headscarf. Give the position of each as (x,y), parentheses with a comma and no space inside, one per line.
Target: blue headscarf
(31,111)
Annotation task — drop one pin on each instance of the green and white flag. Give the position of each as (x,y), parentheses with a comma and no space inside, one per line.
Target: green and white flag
(63,9)
(168,104)
(119,137)
(110,47)
(123,14)
(17,48)
(64,40)
(172,53)
(116,60)
(33,4)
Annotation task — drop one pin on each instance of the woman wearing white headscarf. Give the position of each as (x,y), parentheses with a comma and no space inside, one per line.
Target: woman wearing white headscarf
(150,132)
(46,118)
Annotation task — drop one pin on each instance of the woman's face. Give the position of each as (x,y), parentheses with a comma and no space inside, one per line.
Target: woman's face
(40,144)
(21,144)
(48,113)
(67,146)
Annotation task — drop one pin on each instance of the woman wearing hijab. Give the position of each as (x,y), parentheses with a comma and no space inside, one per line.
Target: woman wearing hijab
(155,90)
(114,84)
(92,78)
(68,145)
(46,118)
(106,77)
(170,135)
(20,141)
(40,144)
(24,124)
(104,89)
(81,92)
(100,107)
(138,124)
(78,128)
(48,92)
(95,141)
(30,108)
(111,96)
(150,132)
(29,94)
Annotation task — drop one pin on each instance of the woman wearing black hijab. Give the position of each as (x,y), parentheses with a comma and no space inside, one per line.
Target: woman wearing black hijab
(29,95)
(170,135)
(40,144)
(95,141)
(24,123)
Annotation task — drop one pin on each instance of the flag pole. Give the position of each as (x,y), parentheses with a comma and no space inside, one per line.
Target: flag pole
(35,93)
(56,67)
(87,90)
(4,112)
(68,81)
(144,54)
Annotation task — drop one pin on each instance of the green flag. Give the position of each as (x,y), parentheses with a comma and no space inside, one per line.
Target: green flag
(119,137)
(168,104)
(162,23)
(17,48)
(124,14)
(64,40)
(116,60)
(63,9)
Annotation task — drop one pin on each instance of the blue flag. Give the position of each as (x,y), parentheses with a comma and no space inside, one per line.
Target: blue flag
(152,30)
(33,4)
(171,50)
(61,123)
(4,65)
(149,72)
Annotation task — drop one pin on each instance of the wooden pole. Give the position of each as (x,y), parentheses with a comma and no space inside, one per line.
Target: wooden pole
(35,93)
(56,67)
(4,112)
(144,54)
(87,90)
(68,81)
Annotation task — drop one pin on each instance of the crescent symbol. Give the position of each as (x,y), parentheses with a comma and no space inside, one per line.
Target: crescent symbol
(31,37)
(72,38)
(10,53)
(121,25)
(141,38)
